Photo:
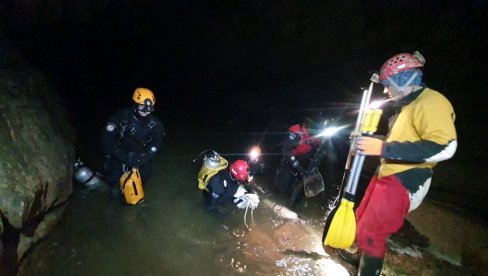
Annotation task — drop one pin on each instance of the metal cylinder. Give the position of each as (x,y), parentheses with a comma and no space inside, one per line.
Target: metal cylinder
(86,176)
(212,162)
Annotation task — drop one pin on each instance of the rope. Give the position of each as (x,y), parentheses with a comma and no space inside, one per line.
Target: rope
(245,215)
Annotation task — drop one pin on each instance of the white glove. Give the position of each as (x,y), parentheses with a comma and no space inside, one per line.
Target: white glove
(240,192)
(249,200)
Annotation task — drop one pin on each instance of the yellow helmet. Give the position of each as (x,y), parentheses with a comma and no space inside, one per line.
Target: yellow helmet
(142,94)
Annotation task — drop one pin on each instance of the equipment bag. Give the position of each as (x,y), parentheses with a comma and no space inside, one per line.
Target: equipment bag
(313,183)
(131,187)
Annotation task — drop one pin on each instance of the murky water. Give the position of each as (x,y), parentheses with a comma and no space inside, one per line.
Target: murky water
(171,233)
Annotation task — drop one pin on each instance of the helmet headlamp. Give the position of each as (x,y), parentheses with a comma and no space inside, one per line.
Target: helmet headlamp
(147,106)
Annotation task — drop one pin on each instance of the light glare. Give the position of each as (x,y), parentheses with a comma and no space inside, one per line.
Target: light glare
(329,131)
(254,153)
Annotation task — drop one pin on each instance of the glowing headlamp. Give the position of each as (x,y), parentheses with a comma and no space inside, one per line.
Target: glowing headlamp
(330,131)
(254,154)
(146,107)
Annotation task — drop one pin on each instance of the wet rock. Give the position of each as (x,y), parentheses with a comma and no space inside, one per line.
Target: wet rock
(476,259)
(36,157)
(435,240)
(453,233)
(296,237)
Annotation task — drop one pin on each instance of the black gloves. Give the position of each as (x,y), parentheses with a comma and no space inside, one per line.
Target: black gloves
(294,162)
(132,163)
(135,160)
(296,165)
(144,157)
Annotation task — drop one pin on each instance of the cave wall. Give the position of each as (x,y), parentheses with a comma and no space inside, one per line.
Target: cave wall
(36,157)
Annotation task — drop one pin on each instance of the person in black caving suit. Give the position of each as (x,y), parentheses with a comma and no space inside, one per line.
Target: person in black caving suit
(228,185)
(132,136)
(300,151)
(255,161)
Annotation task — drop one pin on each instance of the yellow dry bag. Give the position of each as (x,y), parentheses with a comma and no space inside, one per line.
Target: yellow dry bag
(131,187)
(210,167)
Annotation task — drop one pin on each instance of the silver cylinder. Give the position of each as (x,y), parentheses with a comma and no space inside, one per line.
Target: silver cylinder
(86,176)
(212,162)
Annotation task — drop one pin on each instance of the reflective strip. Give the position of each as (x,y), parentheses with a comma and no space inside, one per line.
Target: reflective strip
(417,197)
(110,127)
(134,187)
(445,154)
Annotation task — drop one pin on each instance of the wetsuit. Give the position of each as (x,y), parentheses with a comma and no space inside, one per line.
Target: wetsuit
(256,167)
(421,134)
(221,189)
(295,147)
(130,140)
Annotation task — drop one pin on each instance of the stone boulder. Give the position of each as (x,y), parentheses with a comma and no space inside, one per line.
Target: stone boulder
(36,158)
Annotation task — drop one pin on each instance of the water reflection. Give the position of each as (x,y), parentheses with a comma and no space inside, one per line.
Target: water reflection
(172,234)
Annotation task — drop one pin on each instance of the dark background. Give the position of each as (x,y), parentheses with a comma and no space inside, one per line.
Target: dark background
(194,53)
(255,65)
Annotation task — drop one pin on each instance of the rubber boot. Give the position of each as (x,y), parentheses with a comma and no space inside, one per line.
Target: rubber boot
(370,266)
(295,196)
(350,257)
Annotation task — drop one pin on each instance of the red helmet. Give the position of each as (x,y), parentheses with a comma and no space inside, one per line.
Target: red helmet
(301,131)
(295,129)
(400,63)
(239,170)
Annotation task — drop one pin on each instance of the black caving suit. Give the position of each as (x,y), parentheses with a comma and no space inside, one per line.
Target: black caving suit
(221,189)
(256,167)
(289,173)
(130,140)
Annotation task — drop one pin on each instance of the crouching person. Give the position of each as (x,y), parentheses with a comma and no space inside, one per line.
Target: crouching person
(231,185)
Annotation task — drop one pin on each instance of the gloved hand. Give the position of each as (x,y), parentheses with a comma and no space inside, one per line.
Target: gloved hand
(136,160)
(297,167)
(369,146)
(248,200)
(144,157)
(129,160)
(294,162)
(132,163)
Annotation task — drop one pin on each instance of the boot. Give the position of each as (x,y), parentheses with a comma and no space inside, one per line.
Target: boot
(295,196)
(370,266)
(351,258)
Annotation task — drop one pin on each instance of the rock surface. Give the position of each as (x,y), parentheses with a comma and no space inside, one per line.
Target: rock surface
(36,158)
(434,240)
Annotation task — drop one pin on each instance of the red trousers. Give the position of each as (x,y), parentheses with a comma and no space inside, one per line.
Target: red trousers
(381,213)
